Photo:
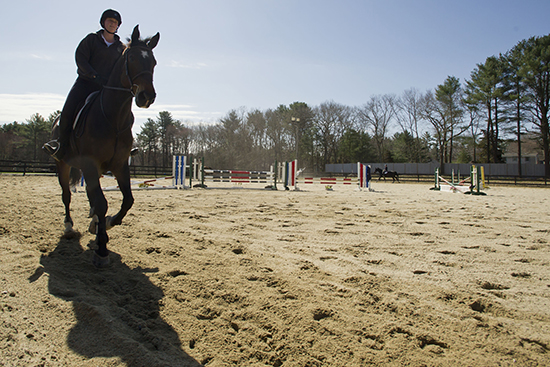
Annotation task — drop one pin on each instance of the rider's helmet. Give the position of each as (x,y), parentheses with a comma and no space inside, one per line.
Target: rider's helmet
(110,13)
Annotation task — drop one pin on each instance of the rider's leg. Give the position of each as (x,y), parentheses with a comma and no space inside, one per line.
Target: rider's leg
(80,90)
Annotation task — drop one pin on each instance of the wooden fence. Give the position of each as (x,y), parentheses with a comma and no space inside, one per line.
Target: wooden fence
(48,168)
(37,167)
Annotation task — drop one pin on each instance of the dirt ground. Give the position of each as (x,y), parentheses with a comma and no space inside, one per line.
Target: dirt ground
(402,276)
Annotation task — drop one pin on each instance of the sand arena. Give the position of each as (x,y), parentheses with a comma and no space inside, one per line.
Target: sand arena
(399,276)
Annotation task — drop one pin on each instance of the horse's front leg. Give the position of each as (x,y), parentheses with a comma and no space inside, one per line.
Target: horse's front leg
(64,175)
(123,180)
(98,205)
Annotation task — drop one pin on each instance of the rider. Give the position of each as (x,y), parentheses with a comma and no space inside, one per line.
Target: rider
(95,58)
(385,169)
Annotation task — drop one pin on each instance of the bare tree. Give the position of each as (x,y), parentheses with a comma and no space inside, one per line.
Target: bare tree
(445,111)
(375,116)
(331,121)
(277,135)
(409,117)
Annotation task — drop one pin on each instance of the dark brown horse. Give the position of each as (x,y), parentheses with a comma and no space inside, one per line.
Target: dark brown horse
(392,174)
(102,140)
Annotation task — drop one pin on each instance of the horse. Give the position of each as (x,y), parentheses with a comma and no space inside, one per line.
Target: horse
(102,139)
(392,174)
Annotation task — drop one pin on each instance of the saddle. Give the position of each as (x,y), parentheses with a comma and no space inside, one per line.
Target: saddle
(78,125)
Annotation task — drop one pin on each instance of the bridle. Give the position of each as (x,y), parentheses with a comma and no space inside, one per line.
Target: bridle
(130,79)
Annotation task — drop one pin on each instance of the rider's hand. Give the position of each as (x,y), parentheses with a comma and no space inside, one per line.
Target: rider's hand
(99,80)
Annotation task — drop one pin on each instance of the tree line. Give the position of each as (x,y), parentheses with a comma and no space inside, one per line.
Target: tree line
(505,99)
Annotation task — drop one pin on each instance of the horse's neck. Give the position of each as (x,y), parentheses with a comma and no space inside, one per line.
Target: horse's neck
(117,98)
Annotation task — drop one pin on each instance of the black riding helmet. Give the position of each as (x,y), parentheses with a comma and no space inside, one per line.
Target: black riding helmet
(110,13)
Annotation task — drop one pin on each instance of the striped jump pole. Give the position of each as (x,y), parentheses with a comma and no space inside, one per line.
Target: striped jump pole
(178,171)
(290,174)
(476,174)
(236,177)
(363,176)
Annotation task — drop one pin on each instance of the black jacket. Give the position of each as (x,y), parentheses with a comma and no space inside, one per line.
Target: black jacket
(94,58)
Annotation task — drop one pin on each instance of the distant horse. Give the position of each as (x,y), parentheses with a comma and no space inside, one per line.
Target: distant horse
(391,174)
(102,139)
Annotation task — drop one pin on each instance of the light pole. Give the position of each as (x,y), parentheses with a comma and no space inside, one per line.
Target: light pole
(296,122)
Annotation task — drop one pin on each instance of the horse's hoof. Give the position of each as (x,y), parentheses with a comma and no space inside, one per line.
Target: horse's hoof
(93,225)
(68,227)
(69,235)
(100,261)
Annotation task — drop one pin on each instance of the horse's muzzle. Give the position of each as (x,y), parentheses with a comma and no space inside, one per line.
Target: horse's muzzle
(145,99)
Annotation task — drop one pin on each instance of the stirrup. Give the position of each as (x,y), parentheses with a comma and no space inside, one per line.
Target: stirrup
(51,147)
(134,151)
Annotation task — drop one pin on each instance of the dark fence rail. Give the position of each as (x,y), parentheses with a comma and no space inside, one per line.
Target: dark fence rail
(495,173)
(491,169)
(34,167)
(37,167)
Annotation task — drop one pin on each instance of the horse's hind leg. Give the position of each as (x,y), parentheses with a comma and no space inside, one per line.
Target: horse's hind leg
(123,180)
(64,175)
(98,205)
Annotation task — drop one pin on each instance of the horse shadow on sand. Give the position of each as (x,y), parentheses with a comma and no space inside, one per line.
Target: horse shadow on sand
(117,308)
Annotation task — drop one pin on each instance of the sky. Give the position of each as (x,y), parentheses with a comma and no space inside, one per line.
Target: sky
(215,56)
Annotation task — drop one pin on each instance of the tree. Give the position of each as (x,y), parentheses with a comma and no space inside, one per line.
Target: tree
(301,120)
(276,132)
(356,146)
(10,140)
(35,133)
(485,89)
(401,147)
(148,141)
(474,123)
(255,124)
(536,73)
(331,120)
(376,116)
(445,110)
(515,91)
(409,117)
(449,96)
(164,124)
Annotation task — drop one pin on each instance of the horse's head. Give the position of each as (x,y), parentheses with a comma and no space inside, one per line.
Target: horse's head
(140,64)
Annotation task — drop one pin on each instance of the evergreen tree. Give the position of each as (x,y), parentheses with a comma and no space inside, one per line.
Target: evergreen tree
(35,133)
(356,146)
(515,91)
(485,88)
(536,73)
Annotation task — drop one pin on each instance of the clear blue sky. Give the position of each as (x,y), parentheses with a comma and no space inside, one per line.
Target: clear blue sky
(218,55)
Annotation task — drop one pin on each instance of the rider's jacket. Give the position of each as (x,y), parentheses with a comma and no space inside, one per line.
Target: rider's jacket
(94,58)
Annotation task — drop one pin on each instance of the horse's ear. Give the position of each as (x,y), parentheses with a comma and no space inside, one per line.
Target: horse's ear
(135,34)
(154,41)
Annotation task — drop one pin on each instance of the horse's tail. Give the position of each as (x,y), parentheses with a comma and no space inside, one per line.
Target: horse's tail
(75,176)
